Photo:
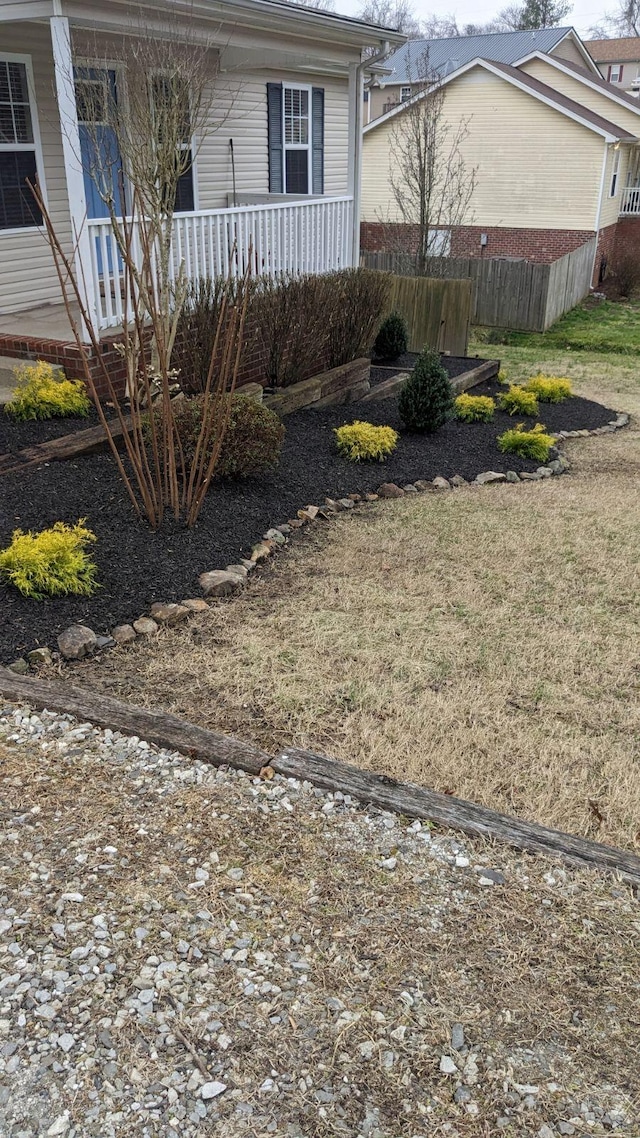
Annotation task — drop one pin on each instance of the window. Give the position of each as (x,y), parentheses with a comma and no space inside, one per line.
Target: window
(614,174)
(170,96)
(18,209)
(405,93)
(297,150)
(295,138)
(615,73)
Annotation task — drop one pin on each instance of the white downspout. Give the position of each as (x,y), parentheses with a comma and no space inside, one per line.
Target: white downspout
(599,211)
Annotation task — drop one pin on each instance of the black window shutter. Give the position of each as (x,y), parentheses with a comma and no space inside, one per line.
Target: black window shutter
(317,139)
(274,136)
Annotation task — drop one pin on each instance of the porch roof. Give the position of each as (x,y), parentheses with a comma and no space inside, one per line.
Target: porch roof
(238,16)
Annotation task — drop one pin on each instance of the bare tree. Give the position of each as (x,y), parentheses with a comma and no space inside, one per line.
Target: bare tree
(397,14)
(626,21)
(323,5)
(431,185)
(534,14)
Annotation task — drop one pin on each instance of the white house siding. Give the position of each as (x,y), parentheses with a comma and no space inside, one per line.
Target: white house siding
(596,101)
(27,273)
(244,101)
(535,167)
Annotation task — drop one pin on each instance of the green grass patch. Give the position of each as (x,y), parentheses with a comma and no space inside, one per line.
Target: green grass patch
(594,326)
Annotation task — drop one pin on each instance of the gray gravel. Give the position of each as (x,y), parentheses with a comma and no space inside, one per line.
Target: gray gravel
(187,951)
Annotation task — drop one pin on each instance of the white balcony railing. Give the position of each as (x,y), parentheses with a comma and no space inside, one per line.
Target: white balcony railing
(630,203)
(312,236)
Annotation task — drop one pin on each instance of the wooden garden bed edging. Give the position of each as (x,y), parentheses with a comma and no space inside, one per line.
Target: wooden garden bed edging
(77,443)
(343,384)
(386,793)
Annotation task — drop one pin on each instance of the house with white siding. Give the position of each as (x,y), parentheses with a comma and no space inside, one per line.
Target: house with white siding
(555,151)
(278,172)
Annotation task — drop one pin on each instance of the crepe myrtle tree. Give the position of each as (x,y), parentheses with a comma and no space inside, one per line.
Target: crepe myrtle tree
(431,183)
(139,143)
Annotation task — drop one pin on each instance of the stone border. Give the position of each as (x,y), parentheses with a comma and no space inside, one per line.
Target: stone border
(78,641)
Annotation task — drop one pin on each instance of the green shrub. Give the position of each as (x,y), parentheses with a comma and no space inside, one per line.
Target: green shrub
(549,388)
(51,563)
(426,400)
(475,408)
(41,394)
(533,444)
(517,401)
(360,441)
(503,376)
(393,338)
(252,442)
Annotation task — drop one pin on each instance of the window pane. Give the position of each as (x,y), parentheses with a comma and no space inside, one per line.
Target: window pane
(15,116)
(18,82)
(297,172)
(17,206)
(296,116)
(22,119)
(7,133)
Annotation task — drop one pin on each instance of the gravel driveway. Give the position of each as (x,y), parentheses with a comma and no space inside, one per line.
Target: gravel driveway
(187,951)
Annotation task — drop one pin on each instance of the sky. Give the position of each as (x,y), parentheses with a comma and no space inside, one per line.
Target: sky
(585,13)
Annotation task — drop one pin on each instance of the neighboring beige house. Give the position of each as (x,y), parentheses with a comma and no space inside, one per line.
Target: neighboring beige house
(288,96)
(396,80)
(618,61)
(555,151)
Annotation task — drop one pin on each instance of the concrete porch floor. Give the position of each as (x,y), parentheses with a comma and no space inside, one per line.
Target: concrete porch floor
(47,322)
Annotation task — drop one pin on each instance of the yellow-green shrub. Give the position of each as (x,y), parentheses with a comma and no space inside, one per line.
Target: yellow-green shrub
(51,563)
(41,394)
(475,408)
(503,376)
(517,401)
(360,441)
(533,444)
(549,388)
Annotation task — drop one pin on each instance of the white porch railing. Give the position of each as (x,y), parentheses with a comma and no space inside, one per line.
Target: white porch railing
(630,203)
(302,237)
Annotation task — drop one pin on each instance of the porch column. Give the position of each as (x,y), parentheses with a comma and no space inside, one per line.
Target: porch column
(73,171)
(356,94)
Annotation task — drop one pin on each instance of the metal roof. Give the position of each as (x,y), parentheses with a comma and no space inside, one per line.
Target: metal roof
(447,55)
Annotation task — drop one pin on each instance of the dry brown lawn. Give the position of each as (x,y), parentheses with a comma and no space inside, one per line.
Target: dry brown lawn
(482,642)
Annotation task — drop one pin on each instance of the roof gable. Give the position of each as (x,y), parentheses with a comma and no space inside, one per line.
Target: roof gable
(589,78)
(531,86)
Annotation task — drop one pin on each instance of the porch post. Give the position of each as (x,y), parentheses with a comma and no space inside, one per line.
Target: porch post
(356,94)
(73,172)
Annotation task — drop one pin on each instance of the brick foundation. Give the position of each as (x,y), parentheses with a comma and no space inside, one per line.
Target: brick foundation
(67,355)
(607,239)
(538,245)
(627,238)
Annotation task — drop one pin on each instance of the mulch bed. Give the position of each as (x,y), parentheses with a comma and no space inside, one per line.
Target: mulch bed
(454,366)
(15,435)
(137,567)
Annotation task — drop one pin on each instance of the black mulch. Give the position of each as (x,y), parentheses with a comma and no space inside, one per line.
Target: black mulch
(454,365)
(137,567)
(15,435)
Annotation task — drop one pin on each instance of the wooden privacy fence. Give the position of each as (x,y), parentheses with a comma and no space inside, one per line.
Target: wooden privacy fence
(521,295)
(437,312)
